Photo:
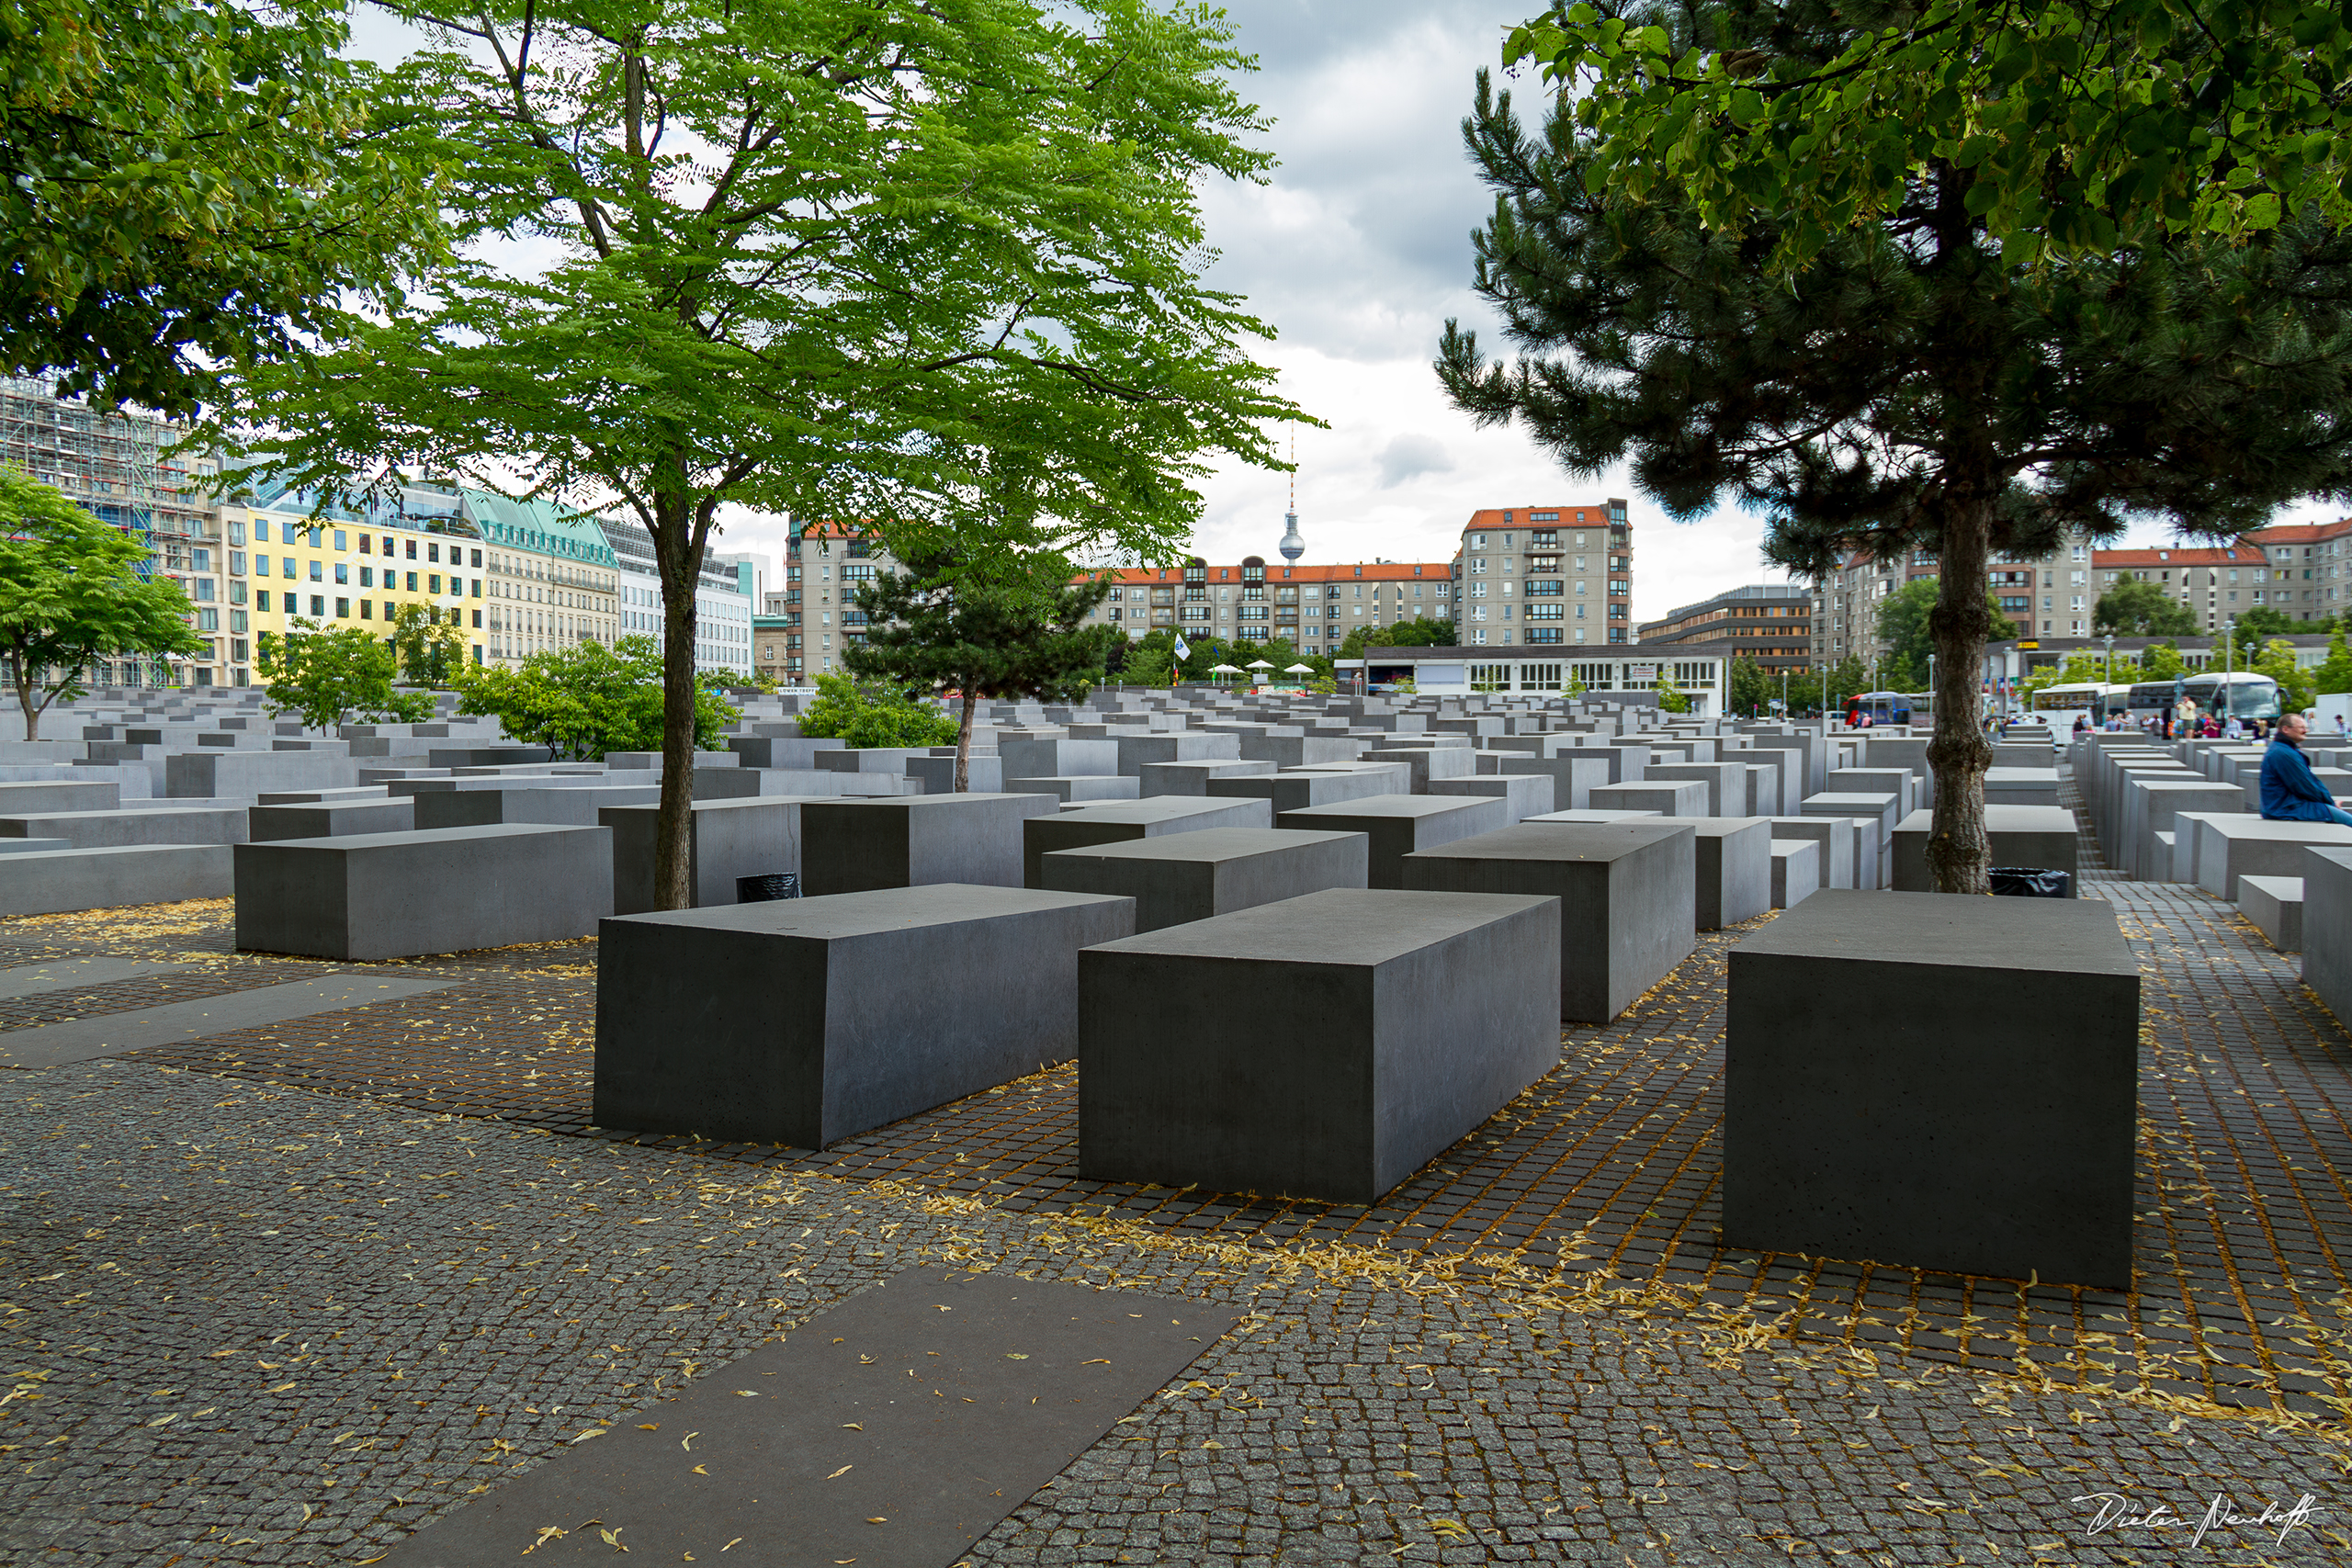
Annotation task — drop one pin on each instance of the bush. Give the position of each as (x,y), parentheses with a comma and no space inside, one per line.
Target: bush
(872,715)
(587,699)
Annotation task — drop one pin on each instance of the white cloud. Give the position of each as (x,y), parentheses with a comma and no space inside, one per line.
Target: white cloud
(1409,457)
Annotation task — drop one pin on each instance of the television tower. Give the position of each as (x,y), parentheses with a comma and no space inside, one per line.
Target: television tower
(1292,546)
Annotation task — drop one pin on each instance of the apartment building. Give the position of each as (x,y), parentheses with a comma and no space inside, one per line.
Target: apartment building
(1312,607)
(1545,576)
(115,465)
(2310,567)
(1768,623)
(814,617)
(2051,595)
(552,577)
(723,610)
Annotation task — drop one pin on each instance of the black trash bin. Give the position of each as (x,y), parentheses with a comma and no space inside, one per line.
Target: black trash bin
(2031,882)
(765,889)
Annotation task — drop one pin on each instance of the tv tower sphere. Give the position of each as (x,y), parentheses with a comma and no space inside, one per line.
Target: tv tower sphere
(1292,546)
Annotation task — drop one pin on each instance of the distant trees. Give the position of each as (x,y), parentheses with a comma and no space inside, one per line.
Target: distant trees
(1903,623)
(2137,608)
(1422,631)
(331,675)
(430,650)
(873,714)
(70,596)
(587,699)
(994,626)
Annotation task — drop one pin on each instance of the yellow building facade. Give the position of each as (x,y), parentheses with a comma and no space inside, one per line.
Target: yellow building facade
(284,566)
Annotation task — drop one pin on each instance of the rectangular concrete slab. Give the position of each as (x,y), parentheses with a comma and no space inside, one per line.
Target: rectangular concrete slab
(74,974)
(1796,873)
(1321,1048)
(2035,836)
(1119,822)
(2327,927)
(807,1020)
(752,835)
(1836,837)
(1734,869)
(2274,907)
(1667,797)
(1398,825)
(60,881)
(112,1034)
(1986,1126)
(2232,847)
(1017,1379)
(1180,878)
(329,819)
(1626,891)
(854,846)
(373,896)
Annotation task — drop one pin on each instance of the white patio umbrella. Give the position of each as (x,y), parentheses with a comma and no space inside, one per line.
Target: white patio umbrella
(1223,670)
(1300,670)
(1261,664)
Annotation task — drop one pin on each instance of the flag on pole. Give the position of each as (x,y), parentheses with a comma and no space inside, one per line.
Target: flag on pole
(1176,671)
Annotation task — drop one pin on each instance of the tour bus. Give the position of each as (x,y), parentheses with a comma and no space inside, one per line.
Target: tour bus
(2093,699)
(2250,695)
(1885,707)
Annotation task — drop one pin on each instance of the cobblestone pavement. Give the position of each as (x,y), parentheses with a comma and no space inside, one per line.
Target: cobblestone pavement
(1614,1364)
(256,1326)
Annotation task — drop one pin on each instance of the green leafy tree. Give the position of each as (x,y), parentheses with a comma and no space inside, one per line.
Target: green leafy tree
(587,699)
(939,265)
(1149,664)
(1907,386)
(189,183)
(430,644)
(874,712)
(70,596)
(2334,674)
(1751,689)
(1422,631)
(992,627)
(2296,685)
(332,675)
(2135,607)
(2162,662)
(1670,696)
(1903,623)
(2077,124)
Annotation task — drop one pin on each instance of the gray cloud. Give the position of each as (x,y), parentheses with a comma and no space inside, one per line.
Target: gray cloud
(1409,457)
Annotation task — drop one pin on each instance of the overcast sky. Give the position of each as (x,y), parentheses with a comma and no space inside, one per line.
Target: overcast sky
(1356,251)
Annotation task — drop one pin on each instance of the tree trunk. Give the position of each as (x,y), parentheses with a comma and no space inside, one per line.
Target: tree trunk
(964,741)
(681,562)
(24,685)
(1958,850)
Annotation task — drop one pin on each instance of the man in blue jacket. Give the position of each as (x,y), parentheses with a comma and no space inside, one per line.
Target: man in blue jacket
(2290,793)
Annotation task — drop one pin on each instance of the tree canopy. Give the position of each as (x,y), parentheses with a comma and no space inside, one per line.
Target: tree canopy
(2135,607)
(1905,388)
(190,184)
(71,595)
(586,699)
(873,714)
(1903,625)
(935,262)
(994,626)
(331,675)
(2076,125)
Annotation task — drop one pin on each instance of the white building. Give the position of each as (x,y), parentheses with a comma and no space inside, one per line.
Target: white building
(723,606)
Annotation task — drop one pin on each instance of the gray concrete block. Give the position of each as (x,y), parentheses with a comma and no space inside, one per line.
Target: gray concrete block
(1429,763)
(2041,836)
(2232,847)
(937,774)
(779,751)
(1667,797)
(1302,750)
(867,758)
(2021,786)
(856,846)
(123,829)
(807,1021)
(1075,789)
(1598,817)
(335,818)
(1297,791)
(1192,778)
(1398,825)
(1138,751)
(1626,890)
(1985,1126)
(756,836)
(1734,873)
(1886,808)
(2274,907)
(1116,822)
(241,775)
(374,895)
(1796,871)
(1574,774)
(2327,927)
(33,846)
(1324,1047)
(1763,793)
(1726,783)
(43,797)
(1175,878)
(1836,837)
(63,880)
(1872,857)
(564,806)
(1523,795)
(1058,759)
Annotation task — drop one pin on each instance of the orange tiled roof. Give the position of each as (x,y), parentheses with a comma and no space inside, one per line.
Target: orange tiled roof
(2303,533)
(1590,514)
(2216,555)
(1340,572)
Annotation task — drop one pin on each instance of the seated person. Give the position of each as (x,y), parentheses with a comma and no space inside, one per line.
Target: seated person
(2290,793)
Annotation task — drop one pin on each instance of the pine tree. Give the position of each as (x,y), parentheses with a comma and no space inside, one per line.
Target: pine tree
(1904,389)
(998,626)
